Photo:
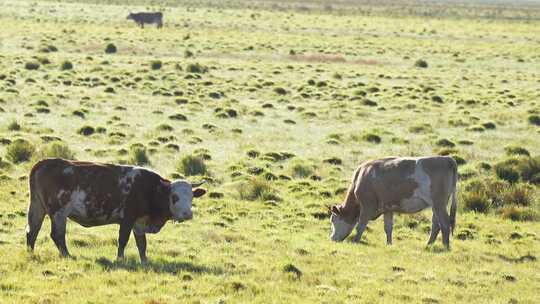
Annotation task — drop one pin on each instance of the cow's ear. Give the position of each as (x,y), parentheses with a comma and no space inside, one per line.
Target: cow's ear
(164,186)
(198,192)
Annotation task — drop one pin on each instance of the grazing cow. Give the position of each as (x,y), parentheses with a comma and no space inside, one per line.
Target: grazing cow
(398,184)
(142,18)
(95,194)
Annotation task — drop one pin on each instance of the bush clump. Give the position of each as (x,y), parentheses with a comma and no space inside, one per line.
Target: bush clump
(66,65)
(301,170)
(534,120)
(196,68)
(191,165)
(520,194)
(57,150)
(476,201)
(14,126)
(31,65)
(110,49)
(516,151)
(521,214)
(372,138)
(156,64)
(19,151)
(257,188)
(421,63)
(138,156)
(86,130)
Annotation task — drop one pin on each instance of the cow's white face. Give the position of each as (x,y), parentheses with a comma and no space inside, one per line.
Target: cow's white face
(340,228)
(180,199)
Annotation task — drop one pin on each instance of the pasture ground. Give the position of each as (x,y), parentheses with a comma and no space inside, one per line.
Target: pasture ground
(281,105)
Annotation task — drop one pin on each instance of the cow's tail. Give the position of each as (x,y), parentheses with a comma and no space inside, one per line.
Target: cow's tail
(453,206)
(36,210)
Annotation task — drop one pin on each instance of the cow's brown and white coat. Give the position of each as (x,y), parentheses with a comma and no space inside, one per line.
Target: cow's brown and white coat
(94,194)
(403,185)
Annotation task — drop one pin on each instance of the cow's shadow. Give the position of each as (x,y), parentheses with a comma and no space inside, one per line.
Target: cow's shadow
(157,265)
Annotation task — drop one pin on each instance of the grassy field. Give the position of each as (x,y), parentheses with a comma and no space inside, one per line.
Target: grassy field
(280,106)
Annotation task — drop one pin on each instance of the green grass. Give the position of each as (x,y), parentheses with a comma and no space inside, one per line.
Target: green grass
(275,106)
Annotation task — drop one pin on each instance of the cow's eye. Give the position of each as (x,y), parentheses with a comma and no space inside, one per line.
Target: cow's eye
(174,198)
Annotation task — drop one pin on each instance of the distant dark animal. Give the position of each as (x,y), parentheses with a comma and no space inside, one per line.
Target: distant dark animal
(95,194)
(398,184)
(142,18)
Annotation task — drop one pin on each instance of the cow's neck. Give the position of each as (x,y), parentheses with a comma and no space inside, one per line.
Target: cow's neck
(350,208)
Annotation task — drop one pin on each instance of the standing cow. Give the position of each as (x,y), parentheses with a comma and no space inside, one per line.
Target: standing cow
(142,18)
(95,194)
(403,185)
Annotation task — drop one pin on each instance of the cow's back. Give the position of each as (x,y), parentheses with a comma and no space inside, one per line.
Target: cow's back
(390,181)
(89,193)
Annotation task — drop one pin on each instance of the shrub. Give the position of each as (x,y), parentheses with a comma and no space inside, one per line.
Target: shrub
(506,171)
(529,169)
(31,65)
(516,150)
(19,151)
(301,170)
(196,68)
(257,189)
(138,156)
(57,150)
(443,142)
(66,65)
(519,194)
(86,130)
(534,120)
(14,126)
(372,138)
(110,48)
(476,201)
(155,64)
(191,165)
(520,214)
(421,63)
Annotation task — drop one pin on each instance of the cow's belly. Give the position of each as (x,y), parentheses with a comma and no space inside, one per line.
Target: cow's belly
(80,214)
(412,205)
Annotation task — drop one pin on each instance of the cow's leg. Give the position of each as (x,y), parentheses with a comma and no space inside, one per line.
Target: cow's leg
(388,225)
(360,228)
(435,228)
(123,238)
(444,225)
(36,214)
(58,231)
(140,240)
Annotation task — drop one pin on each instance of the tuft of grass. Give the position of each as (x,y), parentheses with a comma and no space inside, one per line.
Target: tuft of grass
(31,65)
(421,63)
(19,151)
(66,65)
(518,194)
(443,142)
(110,49)
(156,64)
(138,156)
(476,201)
(521,214)
(14,126)
(86,130)
(196,68)
(301,170)
(372,138)
(257,188)
(516,150)
(191,165)
(57,150)
(534,120)
(506,171)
